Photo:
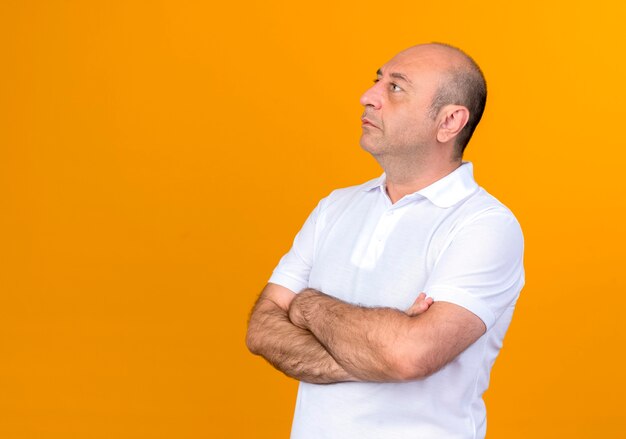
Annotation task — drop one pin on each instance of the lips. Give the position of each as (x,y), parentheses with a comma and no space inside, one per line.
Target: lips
(368,122)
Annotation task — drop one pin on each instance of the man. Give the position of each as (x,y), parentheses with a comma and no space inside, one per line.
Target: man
(392,304)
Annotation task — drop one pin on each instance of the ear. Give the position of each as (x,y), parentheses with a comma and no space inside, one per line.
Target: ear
(453,119)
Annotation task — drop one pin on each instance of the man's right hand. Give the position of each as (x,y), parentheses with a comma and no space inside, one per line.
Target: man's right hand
(421,304)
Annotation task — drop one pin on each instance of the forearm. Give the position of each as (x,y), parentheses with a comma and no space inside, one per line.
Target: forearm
(291,349)
(372,344)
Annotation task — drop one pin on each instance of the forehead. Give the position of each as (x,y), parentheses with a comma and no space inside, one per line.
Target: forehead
(420,63)
(422,69)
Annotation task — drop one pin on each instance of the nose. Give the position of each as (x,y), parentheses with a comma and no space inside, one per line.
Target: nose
(372,96)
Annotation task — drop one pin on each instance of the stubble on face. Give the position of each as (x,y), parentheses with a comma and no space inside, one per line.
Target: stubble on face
(398,126)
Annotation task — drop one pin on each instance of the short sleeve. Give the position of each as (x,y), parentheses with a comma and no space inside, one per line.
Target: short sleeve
(293,270)
(481,268)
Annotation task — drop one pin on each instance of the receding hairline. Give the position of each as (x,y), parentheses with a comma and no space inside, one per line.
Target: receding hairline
(458,61)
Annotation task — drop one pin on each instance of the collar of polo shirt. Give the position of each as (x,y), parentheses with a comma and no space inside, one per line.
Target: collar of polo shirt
(445,192)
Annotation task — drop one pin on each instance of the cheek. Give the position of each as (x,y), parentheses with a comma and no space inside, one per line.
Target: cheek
(406,124)
(412,130)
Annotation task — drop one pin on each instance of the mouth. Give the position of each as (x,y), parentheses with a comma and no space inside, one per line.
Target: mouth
(365,122)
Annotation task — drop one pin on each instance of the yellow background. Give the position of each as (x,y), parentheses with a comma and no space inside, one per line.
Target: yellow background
(157,158)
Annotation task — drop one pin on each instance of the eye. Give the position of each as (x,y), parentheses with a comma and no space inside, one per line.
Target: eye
(394,87)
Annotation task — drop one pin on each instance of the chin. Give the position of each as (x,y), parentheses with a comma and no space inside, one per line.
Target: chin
(370,146)
(366,144)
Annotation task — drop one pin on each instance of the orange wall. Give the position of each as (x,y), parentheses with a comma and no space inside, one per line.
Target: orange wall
(156,159)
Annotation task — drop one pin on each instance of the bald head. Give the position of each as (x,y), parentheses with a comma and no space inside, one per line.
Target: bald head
(462,83)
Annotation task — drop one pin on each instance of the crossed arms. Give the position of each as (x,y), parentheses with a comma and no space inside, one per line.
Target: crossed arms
(316,338)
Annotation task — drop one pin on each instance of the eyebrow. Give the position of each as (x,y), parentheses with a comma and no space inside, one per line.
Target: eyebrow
(402,76)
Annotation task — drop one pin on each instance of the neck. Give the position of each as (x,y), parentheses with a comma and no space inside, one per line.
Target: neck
(408,176)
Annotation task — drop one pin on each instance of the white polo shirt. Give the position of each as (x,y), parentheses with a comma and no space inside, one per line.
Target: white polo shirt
(451,240)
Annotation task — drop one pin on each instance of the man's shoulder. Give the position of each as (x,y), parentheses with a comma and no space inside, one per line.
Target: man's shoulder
(483,201)
(484,208)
